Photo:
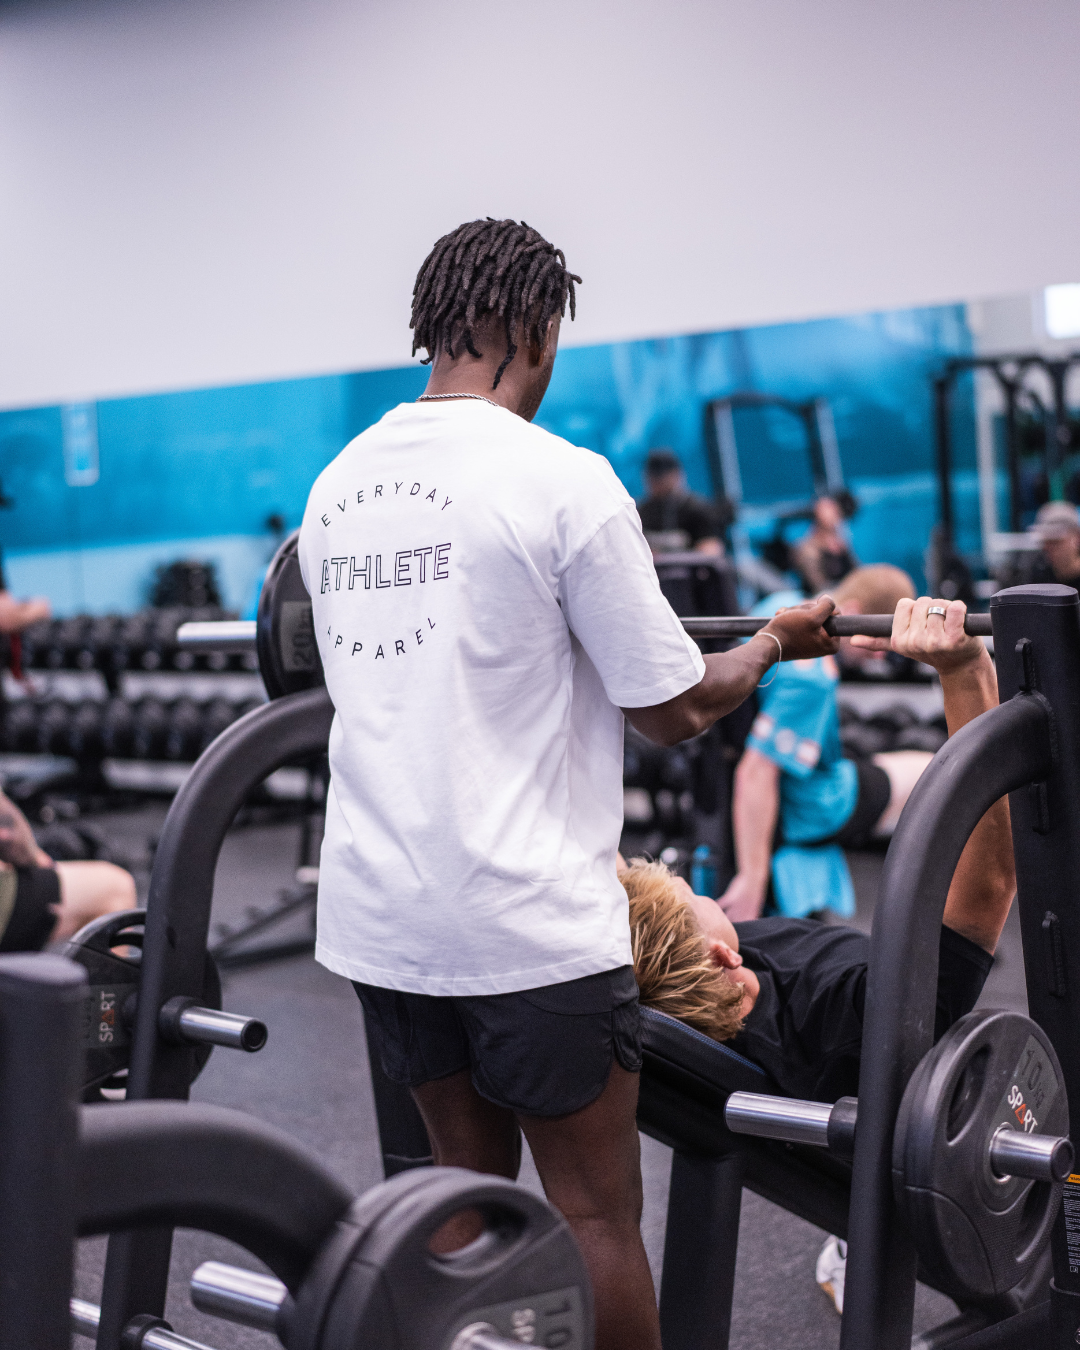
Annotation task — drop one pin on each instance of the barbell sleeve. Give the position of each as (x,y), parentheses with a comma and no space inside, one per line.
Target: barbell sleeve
(86,1316)
(785,1118)
(1042,1157)
(221,635)
(182,1021)
(236,1295)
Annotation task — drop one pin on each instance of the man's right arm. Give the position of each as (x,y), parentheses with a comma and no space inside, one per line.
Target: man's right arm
(731,677)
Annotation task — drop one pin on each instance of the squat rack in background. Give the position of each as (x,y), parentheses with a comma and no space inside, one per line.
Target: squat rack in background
(821,444)
(1010,371)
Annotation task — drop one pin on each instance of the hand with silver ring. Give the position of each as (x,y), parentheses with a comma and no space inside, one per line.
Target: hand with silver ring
(918,634)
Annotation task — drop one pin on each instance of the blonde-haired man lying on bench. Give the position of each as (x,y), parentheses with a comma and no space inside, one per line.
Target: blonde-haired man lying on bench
(789,993)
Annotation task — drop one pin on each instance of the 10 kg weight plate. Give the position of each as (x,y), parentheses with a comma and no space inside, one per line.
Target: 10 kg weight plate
(978,1234)
(377,1282)
(110,950)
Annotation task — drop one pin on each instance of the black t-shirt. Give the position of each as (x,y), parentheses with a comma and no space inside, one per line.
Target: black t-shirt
(668,518)
(805,1030)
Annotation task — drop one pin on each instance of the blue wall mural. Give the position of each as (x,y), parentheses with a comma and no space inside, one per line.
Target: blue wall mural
(198,473)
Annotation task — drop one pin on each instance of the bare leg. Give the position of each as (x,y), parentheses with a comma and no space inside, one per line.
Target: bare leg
(590,1164)
(88,890)
(466,1130)
(904,768)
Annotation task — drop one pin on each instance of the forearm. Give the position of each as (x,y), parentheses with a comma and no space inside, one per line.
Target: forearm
(969,691)
(984,882)
(730,678)
(754,813)
(808,562)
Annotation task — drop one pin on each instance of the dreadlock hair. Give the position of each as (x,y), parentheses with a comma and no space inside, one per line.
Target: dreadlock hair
(671,957)
(489,267)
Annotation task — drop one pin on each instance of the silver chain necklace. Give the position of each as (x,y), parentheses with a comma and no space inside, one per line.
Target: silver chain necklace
(430,398)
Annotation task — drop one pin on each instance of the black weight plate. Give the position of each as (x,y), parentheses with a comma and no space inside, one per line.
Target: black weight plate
(284,631)
(110,950)
(377,1283)
(977,1234)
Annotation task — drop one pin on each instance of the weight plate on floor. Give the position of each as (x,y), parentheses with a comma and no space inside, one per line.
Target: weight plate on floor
(978,1234)
(377,1282)
(110,950)
(284,631)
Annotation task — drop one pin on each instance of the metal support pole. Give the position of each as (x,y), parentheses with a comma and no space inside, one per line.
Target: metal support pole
(42,999)
(942,390)
(174,950)
(700,1247)
(1012,451)
(1037,638)
(1003,749)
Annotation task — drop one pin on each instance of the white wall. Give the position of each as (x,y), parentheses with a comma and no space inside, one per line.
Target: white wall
(201,192)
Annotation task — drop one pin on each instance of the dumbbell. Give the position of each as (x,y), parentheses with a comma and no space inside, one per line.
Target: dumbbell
(185,734)
(53,724)
(150,729)
(129,643)
(118,729)
(34,640)
(86,741)
(21,727)
(980,1148)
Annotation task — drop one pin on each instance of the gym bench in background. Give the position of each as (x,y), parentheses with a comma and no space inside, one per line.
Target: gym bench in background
(1029,747)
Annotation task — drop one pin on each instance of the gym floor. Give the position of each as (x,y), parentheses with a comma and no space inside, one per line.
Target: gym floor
(312,1081)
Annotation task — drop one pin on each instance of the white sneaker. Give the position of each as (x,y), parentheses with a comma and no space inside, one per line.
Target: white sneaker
(831,1267)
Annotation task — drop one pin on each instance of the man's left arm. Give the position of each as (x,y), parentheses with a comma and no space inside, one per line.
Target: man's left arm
(984,882)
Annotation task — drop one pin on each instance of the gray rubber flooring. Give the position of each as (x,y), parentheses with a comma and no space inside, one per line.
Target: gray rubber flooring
(312,1080)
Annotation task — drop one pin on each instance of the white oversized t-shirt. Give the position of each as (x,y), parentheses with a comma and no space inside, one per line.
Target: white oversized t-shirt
(484,603)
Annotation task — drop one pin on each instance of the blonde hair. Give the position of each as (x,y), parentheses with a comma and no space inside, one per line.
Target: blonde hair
(672,966)
(876,590)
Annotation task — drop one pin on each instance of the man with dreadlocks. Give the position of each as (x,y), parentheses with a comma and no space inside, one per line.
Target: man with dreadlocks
(485,604)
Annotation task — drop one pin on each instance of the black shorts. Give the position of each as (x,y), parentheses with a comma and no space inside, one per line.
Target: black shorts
(32,920)
(540,1052)
(870,805)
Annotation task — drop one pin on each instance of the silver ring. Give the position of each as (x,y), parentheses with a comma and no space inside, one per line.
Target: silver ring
(935,609)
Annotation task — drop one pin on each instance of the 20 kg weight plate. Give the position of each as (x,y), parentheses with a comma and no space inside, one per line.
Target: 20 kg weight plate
(284,630)
(978,1234)
(110,950)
